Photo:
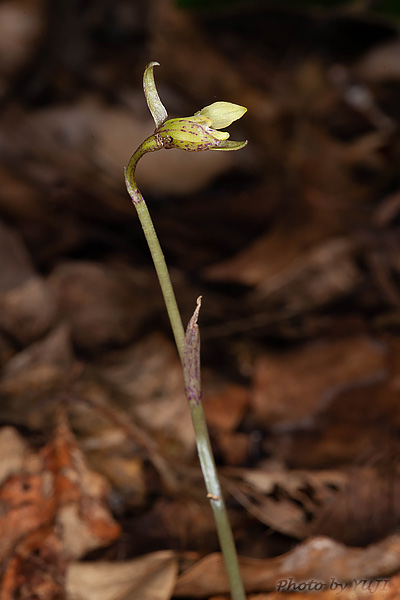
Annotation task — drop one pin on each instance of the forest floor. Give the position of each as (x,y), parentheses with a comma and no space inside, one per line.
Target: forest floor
(294,245)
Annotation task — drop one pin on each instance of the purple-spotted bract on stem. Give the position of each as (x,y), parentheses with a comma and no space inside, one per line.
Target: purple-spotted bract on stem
(191,358)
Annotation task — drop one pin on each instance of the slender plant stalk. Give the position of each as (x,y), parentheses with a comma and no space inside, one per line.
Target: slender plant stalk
(214,493)
(154,247)
(188,350)
(163,276)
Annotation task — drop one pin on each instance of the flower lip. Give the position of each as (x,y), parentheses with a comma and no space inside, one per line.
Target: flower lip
(229,145)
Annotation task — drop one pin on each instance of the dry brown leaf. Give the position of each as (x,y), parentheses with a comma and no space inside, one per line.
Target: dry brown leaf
(53,510)
(37,568)
(78,495)
(13,452)
(21,26)
(125,473)
(234,446)
(226,408)
(364,509)
(28,311)
(344,428)
(293,386)
(150,577)
(354,506)
(286,501)
(380,64)
(271,255)
(149,377)
(32,376)
(15,263)
(320,559)
(107,432)
(326,272)
(26,508)
(186,521)
(27,308)
(105,306)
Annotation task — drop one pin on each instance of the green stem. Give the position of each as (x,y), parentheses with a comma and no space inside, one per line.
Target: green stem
(213,486)
(204,449)
(163,276)
(150,145)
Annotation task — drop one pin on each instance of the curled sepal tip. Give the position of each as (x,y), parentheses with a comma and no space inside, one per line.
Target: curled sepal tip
(156,107)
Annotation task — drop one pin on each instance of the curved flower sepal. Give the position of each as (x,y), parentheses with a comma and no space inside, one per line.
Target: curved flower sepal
(156,107)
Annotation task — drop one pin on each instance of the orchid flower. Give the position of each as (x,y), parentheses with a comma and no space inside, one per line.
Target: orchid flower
(194,134)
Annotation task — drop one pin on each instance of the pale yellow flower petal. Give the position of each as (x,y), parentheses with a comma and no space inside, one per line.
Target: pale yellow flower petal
(222,114)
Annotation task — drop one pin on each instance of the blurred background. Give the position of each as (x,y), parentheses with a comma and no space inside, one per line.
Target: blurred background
(293,242)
